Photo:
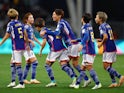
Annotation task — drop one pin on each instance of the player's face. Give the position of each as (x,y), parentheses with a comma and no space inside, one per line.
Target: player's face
(97,19)
(55,17)
(30,19)
(82,20)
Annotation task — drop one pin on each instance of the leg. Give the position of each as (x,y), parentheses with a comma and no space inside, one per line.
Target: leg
(67,69)
(50,74)
(13,73)
(25,73)
(108,67)
(77,66)
(94,76)
(20,76)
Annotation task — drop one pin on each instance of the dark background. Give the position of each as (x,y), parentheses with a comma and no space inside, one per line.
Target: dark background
(44,8)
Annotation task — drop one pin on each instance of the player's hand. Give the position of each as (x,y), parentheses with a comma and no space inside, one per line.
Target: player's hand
(42,33)
(28,48)
(33,44)
(73,41)
(100,45)
(80,48)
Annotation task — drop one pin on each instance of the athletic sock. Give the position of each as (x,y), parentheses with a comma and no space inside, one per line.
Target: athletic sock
(20,74)
(13,72)
(34,67)
(50,72)
(68,70)
(94,76)
(26,70)
(78,68)
(82,75)
(112,78)
(72,69)
(113,72)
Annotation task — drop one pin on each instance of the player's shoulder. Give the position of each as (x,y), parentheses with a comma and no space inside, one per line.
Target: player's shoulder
(26,26)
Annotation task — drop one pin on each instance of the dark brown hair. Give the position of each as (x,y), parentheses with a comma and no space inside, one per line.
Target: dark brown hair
(59,12)
(39,22)
(87,17)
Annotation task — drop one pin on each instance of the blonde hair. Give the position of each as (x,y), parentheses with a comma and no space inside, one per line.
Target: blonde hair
(12,13)
(103,16)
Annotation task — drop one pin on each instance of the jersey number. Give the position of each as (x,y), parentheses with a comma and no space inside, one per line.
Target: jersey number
(20,32)
(92,36)
(111,35)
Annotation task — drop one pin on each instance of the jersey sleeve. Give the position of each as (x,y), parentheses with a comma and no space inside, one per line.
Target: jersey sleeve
(57,31)
(85,37)
(102,30)
(9,28)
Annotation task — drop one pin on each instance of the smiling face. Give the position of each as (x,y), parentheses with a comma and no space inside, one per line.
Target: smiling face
(56,17)
(30,19)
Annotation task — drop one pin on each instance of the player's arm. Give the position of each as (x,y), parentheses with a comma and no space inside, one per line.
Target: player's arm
(42,46)
(105,37)
(53,33)
(84,41)
(7,35)
(37,40)
(26,39)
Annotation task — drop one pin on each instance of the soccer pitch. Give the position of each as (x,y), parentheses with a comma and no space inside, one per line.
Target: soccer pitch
(62,79)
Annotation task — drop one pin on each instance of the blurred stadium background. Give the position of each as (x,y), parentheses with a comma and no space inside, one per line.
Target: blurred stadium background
(73,12)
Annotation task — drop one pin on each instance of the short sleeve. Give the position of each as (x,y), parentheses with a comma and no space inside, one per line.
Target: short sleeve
(9,28)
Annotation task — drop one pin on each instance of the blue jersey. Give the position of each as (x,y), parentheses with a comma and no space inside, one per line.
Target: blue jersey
(30,33)
(16,30)
(55,42)
(65,31)
(87,39)
(109,45)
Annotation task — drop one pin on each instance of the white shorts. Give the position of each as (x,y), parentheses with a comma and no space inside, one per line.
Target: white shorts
(17,56)
(60,55)
(29,54)
(88,59)
(73,50)
(109,57)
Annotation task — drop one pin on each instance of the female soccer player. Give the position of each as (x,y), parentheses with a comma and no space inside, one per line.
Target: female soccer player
(57,51)
(88,50)
(15,30)
(31,58)
(109,52)
(65,31)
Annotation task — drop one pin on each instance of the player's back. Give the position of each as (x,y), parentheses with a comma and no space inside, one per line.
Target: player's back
(89,47)
(16,29)
(109,46)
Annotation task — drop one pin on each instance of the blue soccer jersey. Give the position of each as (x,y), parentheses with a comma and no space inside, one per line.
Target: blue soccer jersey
(30,32)
(16,30)
(109,45)
(65,31)
(87,39)
(55,41)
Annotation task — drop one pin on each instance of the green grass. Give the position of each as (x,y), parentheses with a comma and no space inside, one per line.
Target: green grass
(62,79)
